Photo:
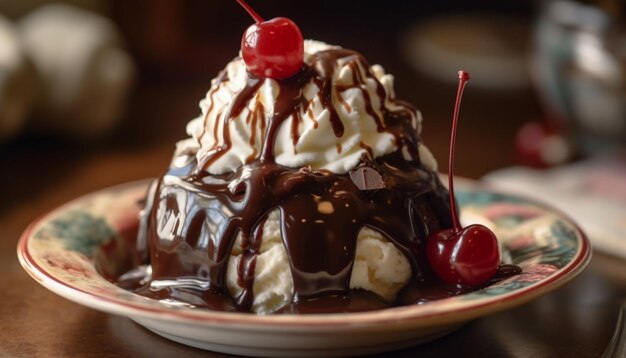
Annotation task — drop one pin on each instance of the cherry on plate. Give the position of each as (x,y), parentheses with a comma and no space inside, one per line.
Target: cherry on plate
(469,257)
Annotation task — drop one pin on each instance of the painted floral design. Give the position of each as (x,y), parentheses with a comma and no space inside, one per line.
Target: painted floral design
(70,265)
(530,275)
(539,241)
(484,198)
(77,230)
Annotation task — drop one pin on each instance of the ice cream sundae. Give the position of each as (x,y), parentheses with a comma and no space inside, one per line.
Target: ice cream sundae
(304,186)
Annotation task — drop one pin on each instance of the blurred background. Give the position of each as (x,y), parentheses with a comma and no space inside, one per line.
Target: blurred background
(95,93)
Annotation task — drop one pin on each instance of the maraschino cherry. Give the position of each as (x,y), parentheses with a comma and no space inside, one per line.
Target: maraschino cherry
(272,48)
(467,256)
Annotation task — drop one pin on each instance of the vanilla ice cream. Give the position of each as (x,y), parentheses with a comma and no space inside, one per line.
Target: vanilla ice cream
(292,195)
(379,267)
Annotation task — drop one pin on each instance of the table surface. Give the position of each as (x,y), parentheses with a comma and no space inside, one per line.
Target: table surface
(39,174)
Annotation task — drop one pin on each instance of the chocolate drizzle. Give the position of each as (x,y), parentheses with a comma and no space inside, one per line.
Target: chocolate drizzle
(291,101)
(238,104)
(192,218)
(245,271)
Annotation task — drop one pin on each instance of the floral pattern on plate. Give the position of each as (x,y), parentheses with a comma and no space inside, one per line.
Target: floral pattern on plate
(535,238)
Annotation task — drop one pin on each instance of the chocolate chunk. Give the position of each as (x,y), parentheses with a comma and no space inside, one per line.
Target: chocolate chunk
(367,178)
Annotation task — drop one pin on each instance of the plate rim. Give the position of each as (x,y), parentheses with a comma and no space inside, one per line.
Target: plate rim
(410,314)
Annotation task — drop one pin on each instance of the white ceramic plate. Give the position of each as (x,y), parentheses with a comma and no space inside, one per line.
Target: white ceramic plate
(68,249)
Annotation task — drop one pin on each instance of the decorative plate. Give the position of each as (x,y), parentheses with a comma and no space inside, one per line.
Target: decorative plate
(70,250)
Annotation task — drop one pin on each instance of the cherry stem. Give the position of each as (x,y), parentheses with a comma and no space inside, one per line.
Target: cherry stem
(250,11)
(464,77)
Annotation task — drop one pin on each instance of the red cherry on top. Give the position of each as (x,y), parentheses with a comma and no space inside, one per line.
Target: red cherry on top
(466,256)
(273,48)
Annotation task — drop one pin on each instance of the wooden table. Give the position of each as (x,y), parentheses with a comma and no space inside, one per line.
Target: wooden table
(39,174)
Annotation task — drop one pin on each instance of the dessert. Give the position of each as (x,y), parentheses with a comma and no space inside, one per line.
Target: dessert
(308,191)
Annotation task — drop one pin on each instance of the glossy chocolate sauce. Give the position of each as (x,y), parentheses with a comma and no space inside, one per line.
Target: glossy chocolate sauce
(192,218)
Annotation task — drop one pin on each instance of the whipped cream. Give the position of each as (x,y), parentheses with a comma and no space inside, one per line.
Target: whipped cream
(317,145)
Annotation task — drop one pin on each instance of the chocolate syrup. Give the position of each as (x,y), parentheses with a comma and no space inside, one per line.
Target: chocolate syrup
(192,218)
